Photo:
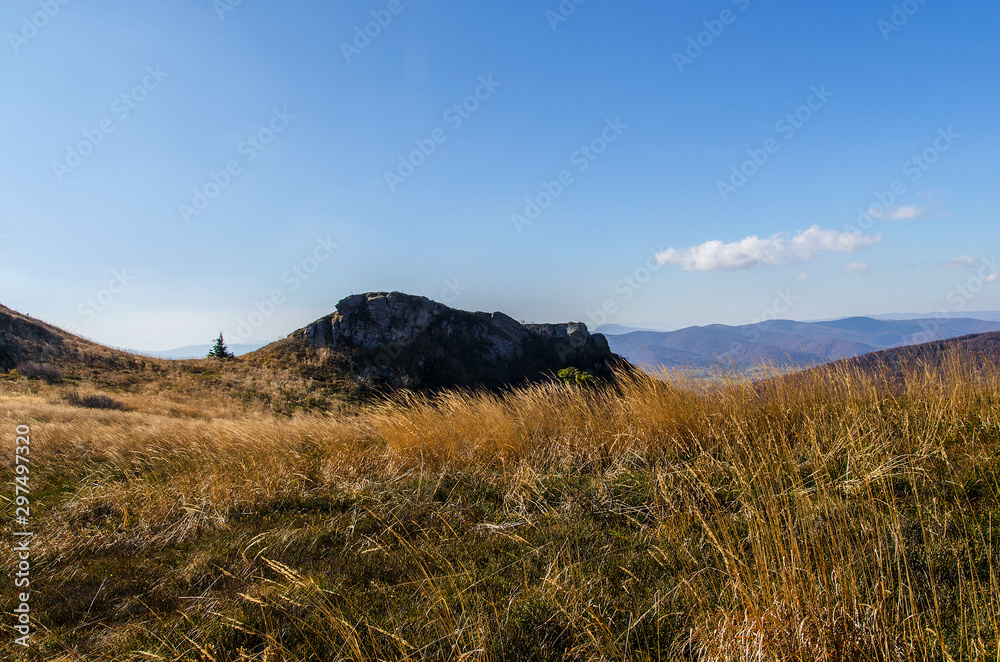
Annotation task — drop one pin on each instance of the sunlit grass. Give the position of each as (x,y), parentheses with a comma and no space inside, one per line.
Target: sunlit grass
(834,515)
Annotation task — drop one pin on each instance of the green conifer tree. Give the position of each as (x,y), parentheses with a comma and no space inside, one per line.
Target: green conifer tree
(220,351)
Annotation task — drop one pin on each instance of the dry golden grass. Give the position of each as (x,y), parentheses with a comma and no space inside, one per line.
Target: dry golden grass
(831,516)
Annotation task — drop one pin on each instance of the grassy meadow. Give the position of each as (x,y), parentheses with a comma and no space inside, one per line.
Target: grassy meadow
(835,515)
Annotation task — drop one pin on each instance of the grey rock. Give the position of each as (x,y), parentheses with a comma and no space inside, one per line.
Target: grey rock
(410,339)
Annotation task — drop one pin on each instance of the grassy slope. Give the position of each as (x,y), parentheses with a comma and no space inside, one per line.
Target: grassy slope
(275,380)
(830,518)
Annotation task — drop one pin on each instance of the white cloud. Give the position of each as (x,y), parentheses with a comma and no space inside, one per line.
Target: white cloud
(961,262)
(992,277)
(803,277)
(858,267)
(905,213)
(771,251)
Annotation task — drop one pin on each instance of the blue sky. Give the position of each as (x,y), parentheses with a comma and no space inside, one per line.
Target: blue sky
(171,170)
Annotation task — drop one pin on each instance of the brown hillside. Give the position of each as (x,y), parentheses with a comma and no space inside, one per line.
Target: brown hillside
(39,358)
(981,349)
(25,339)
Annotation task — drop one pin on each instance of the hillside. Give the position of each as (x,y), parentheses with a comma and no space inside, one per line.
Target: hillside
(259,510)
(981,350)
(36,357)
(385,341)
(821,518)
(783,342)
(25,340)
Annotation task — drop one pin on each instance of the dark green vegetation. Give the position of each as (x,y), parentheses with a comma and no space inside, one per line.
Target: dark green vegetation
(219,350)
(575,377)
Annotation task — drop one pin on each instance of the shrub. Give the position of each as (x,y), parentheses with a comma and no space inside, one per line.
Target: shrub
(575,377)
(33,370)
(95,402)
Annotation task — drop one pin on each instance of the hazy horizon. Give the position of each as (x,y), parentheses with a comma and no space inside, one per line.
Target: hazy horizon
(596,328)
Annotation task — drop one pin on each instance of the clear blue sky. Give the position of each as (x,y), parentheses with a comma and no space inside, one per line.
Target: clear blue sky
(116,113)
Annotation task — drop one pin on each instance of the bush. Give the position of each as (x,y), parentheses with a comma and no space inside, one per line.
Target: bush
(95,402)
(575,377)
(33,370)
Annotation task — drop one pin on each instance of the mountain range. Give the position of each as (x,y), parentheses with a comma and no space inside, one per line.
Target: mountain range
(987,315)
(785,343)
(397,339)
(640,353)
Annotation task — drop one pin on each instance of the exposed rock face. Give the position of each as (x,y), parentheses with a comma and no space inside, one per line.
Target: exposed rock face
(410,340)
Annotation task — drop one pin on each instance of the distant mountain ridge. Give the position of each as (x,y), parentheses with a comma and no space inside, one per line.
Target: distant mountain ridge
(785,343)
(987,315)
(619,329)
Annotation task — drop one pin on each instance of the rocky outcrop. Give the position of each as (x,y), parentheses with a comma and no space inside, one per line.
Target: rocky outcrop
(407,340)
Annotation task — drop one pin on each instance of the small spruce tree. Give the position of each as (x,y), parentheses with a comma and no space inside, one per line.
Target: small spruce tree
(220,351)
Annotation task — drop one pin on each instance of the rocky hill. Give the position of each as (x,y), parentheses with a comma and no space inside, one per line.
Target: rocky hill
(401,340)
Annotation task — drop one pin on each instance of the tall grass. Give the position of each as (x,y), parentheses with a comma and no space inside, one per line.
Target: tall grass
(833,515)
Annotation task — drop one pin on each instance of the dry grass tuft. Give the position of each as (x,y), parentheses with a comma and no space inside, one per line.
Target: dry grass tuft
(833,515)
